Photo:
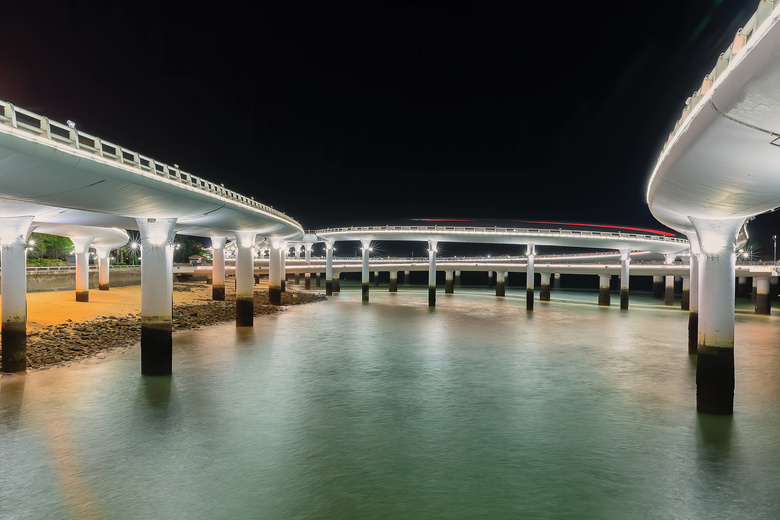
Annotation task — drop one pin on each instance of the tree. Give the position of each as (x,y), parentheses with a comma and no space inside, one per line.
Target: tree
(50,246)
(185,247)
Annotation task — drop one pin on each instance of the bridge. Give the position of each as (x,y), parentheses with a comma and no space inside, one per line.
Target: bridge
(58,179)
(715,172)
(718,169)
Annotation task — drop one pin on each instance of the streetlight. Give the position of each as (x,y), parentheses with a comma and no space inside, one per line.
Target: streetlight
(774,259)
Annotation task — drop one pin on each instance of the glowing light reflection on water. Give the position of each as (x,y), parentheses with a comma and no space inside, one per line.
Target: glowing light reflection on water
(476,409)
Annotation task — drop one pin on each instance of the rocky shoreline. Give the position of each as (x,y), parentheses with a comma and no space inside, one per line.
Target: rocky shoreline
(74,341)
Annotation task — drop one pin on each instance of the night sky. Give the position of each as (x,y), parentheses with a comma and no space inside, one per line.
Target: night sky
(342,113)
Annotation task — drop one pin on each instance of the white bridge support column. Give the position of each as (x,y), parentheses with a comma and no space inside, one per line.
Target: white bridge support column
(307,260)
(329,267)
(449,282)
(715,349)
(669,282)
(604,280)
(245,278)
(500,283)
(393,281)
(13,287)
(156,295)
(366,248)
(432,273)
(529,279)
(693,297)
(490,279)
(336,283)
(685,301)
(407,277)
(275,271)
(81,250)
(762,295)
(218,268)
(104,264)
(282,271)
(456,281)
(625,262)
(544,292)
(658,286)
(742,286)
(376,278)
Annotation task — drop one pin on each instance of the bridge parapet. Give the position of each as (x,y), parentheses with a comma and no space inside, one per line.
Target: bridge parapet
(66,134)
(726,59)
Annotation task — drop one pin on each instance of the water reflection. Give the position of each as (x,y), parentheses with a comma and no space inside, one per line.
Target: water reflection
(155,394)
(11,398)
(714,433)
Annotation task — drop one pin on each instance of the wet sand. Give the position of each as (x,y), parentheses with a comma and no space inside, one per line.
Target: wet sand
(62,330)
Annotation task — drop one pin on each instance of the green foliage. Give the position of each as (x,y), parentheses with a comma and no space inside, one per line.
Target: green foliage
(49,246)
(46,262)
(185,247)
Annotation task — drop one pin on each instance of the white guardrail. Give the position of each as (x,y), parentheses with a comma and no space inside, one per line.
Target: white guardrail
(744,34)
(22,119)
(500,231)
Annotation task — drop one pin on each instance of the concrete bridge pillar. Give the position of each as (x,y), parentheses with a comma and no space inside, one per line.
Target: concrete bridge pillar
(104,264)
(282,269)
(245,271)
(156,295)
(376,278)
(556,280)
(669,282)
(604,280)
(754,290)
(742,286)
(307,260)
(329,267)
(500,283)
(336,283)
(366,250)
(658,287)
(407,277)
(218,268)
(432,272)
(274,271)
(529,279)
(457,280)
(693,297)
(625,261)
(449,284)
(13,287)
(685,301)
(544,293)
(317,278)
(763,305)
(81,250)
(490,279)
(393,281)
(715,363)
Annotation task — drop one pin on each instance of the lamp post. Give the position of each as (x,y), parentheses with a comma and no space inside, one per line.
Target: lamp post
(774,258)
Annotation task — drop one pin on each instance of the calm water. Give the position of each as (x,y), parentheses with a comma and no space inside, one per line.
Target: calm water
(341,410)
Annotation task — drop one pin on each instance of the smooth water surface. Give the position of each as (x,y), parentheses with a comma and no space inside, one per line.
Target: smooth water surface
(389,410)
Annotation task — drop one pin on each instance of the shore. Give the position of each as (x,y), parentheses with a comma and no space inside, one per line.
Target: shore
(61,330)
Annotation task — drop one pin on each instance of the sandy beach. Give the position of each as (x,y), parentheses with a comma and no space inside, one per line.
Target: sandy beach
(60,329)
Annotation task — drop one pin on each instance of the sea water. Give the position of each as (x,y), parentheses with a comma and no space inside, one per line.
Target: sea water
(391,410)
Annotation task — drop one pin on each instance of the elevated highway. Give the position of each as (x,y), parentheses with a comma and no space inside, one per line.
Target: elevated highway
(718,169)
(54,177)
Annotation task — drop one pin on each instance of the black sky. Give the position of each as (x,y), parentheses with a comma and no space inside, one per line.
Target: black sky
(377,112)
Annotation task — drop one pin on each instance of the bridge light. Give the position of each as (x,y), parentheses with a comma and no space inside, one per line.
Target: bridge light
(71,124)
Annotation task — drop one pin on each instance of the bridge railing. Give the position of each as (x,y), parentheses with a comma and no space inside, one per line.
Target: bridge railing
(726,58)
(499,231)
(22,119)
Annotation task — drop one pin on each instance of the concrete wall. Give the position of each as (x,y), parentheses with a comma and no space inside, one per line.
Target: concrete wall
(39,281)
